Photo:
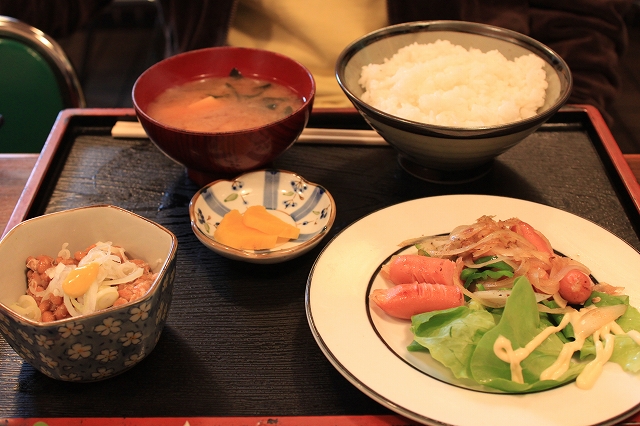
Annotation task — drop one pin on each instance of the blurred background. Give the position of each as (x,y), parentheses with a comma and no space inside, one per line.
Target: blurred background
(126,39)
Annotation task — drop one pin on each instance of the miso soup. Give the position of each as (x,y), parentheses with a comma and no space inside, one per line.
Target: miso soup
(223,104)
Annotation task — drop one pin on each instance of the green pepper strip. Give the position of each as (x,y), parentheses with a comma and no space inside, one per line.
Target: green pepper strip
(494,271)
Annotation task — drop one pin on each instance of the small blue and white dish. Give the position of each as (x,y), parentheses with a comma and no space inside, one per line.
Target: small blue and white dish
(285,194)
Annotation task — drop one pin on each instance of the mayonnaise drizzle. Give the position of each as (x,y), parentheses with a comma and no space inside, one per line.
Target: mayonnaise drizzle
(592,371)
(602,336)
(504,350)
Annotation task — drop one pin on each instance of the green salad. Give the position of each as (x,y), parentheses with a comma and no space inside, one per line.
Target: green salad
(462,338)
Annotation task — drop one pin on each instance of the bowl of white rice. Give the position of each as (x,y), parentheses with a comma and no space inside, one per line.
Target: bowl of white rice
(451,96)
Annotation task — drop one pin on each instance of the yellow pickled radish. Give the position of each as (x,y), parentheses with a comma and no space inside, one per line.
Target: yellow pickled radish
(234,233)
(260,218)
(256,229)
(80,279)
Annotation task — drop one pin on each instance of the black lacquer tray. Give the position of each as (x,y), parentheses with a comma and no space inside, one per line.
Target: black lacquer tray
(237,342)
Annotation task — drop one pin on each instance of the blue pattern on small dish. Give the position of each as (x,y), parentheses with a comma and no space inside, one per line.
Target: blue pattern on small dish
(271,185)
(309,205)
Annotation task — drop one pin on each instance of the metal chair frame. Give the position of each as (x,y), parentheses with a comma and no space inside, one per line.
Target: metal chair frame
(71,89)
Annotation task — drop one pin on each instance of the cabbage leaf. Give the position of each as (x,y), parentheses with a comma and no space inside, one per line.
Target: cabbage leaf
(520,323)
(451,335)
(462,339)
(626,352)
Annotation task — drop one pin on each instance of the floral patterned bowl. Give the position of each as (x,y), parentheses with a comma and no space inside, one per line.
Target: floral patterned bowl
(103,344)
(286,194)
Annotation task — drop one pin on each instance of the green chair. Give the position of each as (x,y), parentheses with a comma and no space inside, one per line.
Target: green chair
(37,81)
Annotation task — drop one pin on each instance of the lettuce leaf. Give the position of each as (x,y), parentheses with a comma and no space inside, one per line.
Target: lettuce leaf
(451,335)
(462,339)
(520,323)
(626,352)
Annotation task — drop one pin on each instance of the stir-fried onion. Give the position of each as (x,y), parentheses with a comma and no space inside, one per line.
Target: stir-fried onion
(499,242)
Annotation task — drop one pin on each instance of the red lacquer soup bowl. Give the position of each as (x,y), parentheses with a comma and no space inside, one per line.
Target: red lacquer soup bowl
(211,155)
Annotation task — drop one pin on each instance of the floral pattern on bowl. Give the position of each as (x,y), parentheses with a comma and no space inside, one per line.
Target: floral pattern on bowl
(104,343)
(97,347)
(307,205)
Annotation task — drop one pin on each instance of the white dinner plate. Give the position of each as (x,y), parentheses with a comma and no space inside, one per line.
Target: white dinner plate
(362,344)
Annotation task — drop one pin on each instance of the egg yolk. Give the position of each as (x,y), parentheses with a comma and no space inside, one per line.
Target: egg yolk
(80,279)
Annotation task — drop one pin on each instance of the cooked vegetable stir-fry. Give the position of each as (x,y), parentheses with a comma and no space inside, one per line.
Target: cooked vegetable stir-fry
(493,302)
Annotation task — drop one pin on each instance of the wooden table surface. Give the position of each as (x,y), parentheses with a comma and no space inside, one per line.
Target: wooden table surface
(14,173)
(16,168)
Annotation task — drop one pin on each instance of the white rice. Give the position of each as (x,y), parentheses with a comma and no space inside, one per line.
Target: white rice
(445,84)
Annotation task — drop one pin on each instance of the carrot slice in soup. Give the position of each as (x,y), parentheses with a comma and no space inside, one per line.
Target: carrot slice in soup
(207,104)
